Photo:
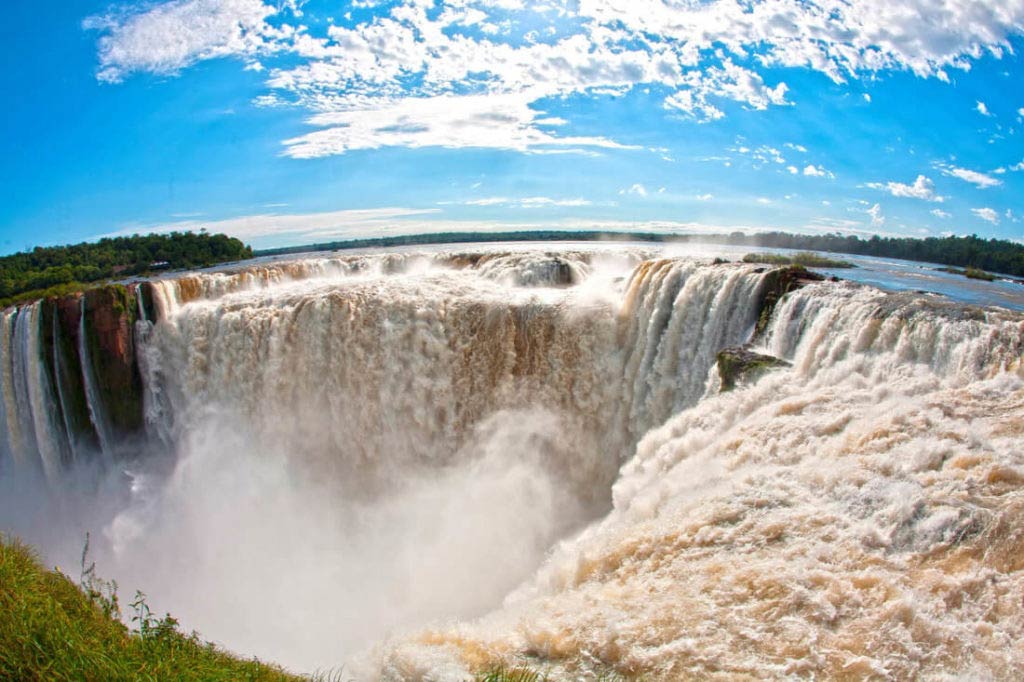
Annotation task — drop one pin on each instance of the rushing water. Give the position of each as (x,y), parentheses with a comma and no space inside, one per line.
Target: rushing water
(424,465)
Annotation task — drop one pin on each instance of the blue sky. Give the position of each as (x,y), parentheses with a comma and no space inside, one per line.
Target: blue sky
(286,122)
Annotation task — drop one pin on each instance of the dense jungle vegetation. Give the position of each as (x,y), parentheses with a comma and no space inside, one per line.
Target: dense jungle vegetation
(56,270)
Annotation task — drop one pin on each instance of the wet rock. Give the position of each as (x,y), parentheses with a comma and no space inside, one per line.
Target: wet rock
(737,365)
(110,315)
(778,283)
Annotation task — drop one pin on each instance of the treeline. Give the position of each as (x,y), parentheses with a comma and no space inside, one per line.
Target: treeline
(56,270)
(995,255)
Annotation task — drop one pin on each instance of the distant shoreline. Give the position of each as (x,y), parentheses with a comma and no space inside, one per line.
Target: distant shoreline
(1003,258)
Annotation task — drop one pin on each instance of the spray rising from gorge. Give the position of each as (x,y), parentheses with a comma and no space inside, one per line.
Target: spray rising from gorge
(427,464)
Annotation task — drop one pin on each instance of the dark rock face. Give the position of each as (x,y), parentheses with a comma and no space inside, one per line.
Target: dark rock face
(145,292)
(778,283)
(110,315)
(61,329)
(737,365)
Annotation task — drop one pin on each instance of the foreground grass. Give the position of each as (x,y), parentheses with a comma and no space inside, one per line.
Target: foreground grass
(50,629)
(804,258)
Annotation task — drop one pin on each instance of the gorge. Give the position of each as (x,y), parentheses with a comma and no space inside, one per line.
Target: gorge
(425,464)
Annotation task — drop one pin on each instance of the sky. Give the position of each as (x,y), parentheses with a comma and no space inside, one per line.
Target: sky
(285,122)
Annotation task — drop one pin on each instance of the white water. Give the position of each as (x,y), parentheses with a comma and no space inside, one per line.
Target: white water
(372,454)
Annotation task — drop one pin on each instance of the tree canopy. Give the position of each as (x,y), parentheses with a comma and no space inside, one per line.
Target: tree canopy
(58,269)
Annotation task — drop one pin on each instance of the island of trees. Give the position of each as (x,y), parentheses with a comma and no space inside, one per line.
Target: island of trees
(57,270)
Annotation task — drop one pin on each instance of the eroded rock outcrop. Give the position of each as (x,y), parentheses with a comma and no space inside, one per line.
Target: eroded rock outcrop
(778,283)
(739,365)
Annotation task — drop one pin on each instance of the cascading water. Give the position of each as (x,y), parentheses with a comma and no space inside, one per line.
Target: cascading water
(335,452)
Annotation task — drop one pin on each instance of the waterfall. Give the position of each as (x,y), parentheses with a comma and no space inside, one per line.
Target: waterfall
(97,414)
(856,514)
(381,425)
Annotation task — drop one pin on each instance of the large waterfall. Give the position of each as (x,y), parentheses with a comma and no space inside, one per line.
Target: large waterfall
(427,464)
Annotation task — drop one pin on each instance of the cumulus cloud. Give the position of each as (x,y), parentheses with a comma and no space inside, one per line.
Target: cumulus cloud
(922,188)
(986,214)
(982,109)
(381,78)
(817,171)
(976,178)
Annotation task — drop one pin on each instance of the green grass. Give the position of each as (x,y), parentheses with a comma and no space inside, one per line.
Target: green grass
(804,258)
(52,629)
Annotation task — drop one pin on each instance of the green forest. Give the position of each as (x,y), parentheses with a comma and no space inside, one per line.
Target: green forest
(57,270)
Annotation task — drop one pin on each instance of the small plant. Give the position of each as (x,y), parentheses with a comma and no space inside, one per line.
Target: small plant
(102,593)
(503,674)
(148,625)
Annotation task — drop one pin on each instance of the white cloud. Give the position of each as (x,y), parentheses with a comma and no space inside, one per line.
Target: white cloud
(403,60)
(817,172)
(487,201)
(986,214)
(170,36)
(704,197)
(922,188)
(867,97)
(307,228)
(982,180)
(298,227)
(636,189)
(764,154)
(877,219)
(452,121)
(796,147)
(939,213)
(982,109)
(793,170)
(764,201)
(1020,112)
(1018,166)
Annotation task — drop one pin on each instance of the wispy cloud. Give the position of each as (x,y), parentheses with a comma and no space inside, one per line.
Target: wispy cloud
(877,218)
(525,202)
(295,227)
(637,189)
(986,214)
(306,228)
(976,178)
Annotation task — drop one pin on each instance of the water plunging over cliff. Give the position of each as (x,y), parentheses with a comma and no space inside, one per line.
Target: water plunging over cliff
(338,449)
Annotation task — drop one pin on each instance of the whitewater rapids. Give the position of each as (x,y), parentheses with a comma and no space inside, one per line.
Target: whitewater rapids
(426,465)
